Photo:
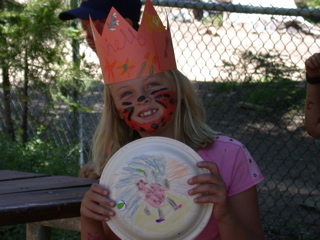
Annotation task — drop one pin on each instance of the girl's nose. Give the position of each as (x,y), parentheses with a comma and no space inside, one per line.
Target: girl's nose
(142,99)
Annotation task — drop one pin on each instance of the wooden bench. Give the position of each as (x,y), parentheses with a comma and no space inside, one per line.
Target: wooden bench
(41,201)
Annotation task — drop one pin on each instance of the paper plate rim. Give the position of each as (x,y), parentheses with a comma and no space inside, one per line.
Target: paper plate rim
(206,209)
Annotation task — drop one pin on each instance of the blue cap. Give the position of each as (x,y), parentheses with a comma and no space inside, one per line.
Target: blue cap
(99,9)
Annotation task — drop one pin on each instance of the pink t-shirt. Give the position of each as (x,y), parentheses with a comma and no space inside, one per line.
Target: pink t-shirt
(237,168)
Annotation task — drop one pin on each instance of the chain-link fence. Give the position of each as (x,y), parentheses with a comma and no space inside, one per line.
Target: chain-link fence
(248,67)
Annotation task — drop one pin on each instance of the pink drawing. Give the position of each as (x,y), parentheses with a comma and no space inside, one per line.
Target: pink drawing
(155,195)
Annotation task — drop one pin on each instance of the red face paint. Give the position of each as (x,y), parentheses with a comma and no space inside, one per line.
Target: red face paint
(168,102)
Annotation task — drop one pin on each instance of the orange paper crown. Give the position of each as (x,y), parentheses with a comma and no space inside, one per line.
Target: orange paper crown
(125,53)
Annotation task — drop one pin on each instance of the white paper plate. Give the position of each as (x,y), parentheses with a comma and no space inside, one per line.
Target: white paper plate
(148,180)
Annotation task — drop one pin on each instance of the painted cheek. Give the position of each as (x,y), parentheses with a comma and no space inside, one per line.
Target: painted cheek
(168,101)
(126,113)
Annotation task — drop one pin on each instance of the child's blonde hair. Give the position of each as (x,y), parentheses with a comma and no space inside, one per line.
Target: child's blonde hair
(189,123)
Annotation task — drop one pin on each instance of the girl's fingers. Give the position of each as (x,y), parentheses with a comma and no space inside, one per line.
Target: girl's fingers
(99,194)
(210,199)
(210,193)
(100,210)
(100,199)
(212,167)
(96,204)
(204,178)
(99,189)
(207,189)
(95,211)
(210,185)
(93,215)
(212,177)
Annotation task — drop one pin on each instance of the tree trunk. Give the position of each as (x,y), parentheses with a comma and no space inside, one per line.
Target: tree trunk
(24,100)
(6,85)
(7,101)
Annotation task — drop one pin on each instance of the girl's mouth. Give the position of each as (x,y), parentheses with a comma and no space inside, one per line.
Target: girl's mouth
(148,113)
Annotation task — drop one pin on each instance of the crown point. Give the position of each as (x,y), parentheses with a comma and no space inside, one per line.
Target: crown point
(125,53)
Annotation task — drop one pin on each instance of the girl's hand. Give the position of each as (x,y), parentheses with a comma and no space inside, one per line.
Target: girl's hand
(313,65)
(213,189)
(96,204)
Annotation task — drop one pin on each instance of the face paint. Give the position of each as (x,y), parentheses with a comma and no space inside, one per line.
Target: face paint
(168,102)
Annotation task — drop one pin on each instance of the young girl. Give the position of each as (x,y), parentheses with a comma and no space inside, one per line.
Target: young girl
(134,108)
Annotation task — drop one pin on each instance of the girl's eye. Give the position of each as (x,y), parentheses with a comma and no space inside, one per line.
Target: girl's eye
(125,94)
(153,84)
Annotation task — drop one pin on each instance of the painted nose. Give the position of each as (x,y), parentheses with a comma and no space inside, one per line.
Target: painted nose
(142,99)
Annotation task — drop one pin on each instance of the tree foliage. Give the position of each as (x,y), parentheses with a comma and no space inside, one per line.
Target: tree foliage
(313,4)
(310,4)
(36,58)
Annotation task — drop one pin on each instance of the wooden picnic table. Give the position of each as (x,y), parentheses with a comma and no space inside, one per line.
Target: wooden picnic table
(31,197)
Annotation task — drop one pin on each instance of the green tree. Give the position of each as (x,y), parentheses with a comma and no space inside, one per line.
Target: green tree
(34,53)
(5,53)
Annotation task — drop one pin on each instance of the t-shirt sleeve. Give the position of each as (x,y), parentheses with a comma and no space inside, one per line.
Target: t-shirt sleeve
(236,165)
(245,172)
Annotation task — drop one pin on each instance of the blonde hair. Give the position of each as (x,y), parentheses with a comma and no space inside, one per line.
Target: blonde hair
(189,123)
